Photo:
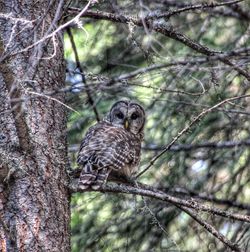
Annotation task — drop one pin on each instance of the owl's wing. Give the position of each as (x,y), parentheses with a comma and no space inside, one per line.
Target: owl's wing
(85,149)
(107,146)
(93,144)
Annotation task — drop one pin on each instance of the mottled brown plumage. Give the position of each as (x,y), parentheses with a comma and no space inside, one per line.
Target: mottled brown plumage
(112,144)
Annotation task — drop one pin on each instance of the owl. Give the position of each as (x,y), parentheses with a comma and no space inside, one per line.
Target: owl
(113,144)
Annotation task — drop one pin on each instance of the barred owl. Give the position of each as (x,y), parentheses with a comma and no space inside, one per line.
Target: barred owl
(114,144)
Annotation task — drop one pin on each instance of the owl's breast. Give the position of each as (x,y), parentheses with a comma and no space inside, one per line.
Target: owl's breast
(128,170)
(107,146)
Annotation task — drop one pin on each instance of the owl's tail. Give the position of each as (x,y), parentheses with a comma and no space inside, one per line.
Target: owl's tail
(94,179)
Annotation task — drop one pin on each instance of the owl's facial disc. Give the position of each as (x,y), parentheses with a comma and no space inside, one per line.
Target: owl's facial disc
(136,118)
(128,115)
(118,114)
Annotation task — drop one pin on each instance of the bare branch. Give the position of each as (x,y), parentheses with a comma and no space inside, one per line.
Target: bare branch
(50,35)
(205,145)
(78,64)
(183,192)
(211,229)
(158,27)
(163,29)
(191,7)
(190,203)
(187,147)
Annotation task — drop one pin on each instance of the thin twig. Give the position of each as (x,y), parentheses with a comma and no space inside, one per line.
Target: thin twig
(211,229)
(53,99)
(191,7)
(60,28)
(187,147)
(205,145)
(78,64)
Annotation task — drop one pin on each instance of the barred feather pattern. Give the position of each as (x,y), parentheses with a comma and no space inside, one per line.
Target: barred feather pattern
(105,148)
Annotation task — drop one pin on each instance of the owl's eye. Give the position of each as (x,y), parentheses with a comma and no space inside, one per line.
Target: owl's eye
(120,115)
(134,116)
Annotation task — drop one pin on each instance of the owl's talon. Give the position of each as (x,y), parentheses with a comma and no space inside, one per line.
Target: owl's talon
(96,187)
(83,186)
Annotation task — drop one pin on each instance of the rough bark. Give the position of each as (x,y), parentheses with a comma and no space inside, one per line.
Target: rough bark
(34,200)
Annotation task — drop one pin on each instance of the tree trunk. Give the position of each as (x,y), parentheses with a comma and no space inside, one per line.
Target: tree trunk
(34,199)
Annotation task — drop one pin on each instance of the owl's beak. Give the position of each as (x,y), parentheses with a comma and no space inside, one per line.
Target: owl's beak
(126,124)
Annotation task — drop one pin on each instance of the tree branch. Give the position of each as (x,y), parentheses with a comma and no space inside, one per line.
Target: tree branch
(159,195)
(114,177)
(187,147)
(78,64)
(191,7)
(211,229)
(205,145)
(162,28)
(158,27)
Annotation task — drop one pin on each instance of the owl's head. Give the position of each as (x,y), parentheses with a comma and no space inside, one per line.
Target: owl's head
(129,115)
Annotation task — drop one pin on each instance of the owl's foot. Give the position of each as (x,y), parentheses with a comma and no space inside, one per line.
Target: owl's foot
(86,180)
(96,186)
(94,180)
(84,187)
